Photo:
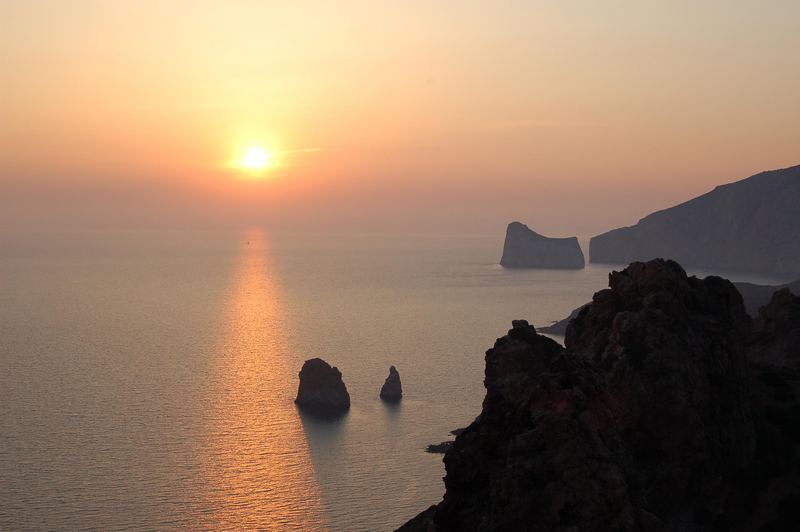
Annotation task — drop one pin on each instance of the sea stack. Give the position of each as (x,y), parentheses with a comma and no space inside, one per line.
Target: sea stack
(392,390)
(322,391)
(525,248)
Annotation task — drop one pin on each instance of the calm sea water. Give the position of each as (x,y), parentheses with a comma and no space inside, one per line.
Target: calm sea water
(147,379)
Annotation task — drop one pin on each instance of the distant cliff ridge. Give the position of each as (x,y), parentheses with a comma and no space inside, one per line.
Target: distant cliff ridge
(750,225)
(525,248)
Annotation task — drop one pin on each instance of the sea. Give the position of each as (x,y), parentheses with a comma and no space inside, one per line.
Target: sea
(147,378)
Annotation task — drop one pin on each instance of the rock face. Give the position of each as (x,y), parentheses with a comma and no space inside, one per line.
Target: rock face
(755,296)
(421,523)
(322,391)
(749,225)
(559,328)
(525,248)
(442,447)
(652,418)
(392,389)
(776,331)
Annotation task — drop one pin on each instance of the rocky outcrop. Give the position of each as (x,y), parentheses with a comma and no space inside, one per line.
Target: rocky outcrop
(755,296)
(442,447)
(776,332)
(651,418)
(392,389)
(525,248)
(559,328)
(322,391)
(749,225)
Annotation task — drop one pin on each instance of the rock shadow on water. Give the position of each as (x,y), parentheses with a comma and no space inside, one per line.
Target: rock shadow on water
(322,429)
(392,409)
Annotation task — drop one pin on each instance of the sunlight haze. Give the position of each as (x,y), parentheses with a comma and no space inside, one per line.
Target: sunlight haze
(450,116)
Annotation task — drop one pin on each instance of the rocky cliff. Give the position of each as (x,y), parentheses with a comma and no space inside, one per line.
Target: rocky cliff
(754,296)
(749,225)
(524,248)
(652,418)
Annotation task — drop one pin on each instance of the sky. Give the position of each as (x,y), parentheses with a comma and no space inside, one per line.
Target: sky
(574,117)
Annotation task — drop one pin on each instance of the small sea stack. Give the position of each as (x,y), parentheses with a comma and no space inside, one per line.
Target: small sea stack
(392,390)
(322,391)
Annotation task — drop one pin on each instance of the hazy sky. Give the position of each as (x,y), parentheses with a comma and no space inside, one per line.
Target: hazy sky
(574,117)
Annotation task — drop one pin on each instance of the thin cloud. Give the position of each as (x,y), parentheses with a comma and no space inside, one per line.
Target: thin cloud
(302,150)
(540,124)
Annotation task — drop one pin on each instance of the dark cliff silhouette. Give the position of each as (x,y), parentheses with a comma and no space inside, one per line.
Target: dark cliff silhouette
(654,417)
(755,296)
(750,225)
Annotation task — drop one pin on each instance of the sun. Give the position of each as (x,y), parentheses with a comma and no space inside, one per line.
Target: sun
(256,158)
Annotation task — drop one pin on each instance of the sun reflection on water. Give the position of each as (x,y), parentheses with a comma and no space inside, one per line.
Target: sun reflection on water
(256,462)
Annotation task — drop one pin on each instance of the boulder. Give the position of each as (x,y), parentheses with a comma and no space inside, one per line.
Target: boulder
(524,248)
(392,389)
(322,391)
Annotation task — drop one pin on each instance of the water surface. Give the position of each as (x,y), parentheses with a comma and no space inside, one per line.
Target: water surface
(147,379)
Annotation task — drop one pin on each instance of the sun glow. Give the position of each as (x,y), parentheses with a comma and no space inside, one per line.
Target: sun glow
(256,158)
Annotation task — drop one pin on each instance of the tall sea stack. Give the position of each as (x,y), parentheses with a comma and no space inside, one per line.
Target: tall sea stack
(392,389)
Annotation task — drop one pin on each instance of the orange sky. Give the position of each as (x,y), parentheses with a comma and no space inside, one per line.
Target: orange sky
(422,116)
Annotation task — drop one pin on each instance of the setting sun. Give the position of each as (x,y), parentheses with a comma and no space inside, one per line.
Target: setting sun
(256,158)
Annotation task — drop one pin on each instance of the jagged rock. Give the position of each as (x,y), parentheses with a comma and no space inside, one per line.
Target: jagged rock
(439,447)
(559,328)
(749,225)
(644,422)
(755,296)
(524,248)
(322,391)
(392,389)
(776,332)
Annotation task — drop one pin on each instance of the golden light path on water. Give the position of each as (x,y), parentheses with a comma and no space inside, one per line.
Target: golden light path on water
(257,466)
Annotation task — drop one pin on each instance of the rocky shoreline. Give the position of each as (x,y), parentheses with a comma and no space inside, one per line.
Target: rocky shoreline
(668,409)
